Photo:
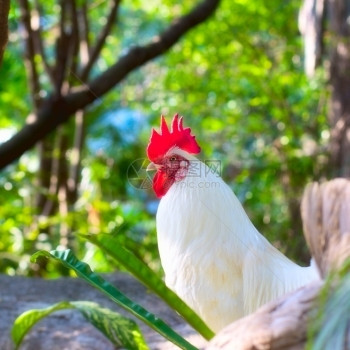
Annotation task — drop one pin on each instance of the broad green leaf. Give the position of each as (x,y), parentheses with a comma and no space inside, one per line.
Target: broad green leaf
(28,319)
(112,246)
(120,330)
(68,259)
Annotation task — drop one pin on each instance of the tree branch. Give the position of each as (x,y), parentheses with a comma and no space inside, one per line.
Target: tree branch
(75,162)
(30,53)
(95,52)
(57,109)
(4,11)
(63,41)
(311,26)
(84,34)
(75,40)
(39,45)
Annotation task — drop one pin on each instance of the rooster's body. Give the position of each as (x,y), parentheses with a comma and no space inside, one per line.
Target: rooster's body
(212,255)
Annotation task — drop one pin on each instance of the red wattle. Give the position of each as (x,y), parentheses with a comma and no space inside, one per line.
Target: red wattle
(162,183)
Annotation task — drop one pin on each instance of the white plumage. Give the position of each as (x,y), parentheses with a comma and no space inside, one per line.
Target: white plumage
(212,255)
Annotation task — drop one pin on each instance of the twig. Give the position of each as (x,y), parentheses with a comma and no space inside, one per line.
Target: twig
(73,49)
(61,54)
(30,53)
(39,45)
(95,52)
(84,34)
(74,171)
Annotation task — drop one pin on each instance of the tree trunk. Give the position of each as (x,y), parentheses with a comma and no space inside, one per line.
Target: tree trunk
(313,27)
(339,116)
(4,11)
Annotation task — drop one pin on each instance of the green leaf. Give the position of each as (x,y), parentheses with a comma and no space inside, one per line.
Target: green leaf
(28,319)
(112,246)
(68,259)
(329,329)
(120,330)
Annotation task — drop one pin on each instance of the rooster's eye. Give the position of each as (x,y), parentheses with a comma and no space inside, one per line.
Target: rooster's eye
(172,159)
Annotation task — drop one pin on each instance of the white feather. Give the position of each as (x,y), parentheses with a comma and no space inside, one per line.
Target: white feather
(213,256)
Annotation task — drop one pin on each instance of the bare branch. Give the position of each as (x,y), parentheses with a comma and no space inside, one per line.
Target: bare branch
(311,22)
(95,52)
(62,43)
(73,50)
(57,109)
(74,171)
(84,34)
(4,11)
(30,52)
(62,187)
(45,149)
(39,45)
(58,173)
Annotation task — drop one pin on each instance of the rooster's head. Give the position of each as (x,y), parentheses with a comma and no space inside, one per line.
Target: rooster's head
(165,151)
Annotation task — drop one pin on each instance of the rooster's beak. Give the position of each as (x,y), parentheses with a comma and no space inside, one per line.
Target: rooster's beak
(151,167)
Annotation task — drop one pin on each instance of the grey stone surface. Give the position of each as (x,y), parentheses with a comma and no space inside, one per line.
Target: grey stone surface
(67,329)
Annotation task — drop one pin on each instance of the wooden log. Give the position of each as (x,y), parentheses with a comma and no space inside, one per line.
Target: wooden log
(277,325)
(325,211)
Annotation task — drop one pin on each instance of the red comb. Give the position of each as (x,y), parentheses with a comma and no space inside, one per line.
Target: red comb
(161,142)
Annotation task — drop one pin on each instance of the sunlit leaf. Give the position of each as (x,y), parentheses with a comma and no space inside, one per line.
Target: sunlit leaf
(28,319)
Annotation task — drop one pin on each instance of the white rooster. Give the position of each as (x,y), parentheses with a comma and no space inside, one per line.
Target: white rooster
(212,255)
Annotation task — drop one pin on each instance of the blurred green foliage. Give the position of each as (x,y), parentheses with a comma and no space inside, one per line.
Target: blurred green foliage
(238,79)
(328,327)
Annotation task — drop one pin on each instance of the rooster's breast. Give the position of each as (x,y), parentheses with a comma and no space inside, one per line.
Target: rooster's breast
(197,253)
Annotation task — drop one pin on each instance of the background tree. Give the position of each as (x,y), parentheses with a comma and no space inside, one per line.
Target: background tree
(326,33)
(4,10)
(61,53)
(238,81)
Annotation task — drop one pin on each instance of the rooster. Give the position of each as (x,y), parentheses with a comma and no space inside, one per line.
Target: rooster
(212,255)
